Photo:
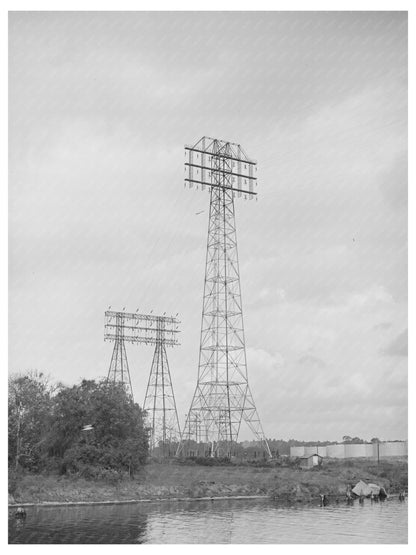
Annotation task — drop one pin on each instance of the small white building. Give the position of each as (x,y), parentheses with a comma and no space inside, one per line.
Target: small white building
(310,461)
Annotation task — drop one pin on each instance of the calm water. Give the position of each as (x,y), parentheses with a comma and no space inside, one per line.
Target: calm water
(222,521)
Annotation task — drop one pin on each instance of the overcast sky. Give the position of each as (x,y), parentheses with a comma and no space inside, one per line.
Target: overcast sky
(101,105)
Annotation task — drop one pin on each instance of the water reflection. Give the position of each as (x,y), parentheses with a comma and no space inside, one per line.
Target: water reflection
(227,521)
(89,524)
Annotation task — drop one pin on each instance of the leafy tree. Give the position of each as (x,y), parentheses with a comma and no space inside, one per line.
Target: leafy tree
(357,440)
(115,438)
(349,439)
(92,428)
(29,406)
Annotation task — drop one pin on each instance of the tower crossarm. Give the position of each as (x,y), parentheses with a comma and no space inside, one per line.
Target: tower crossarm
(141,328)
(220,164)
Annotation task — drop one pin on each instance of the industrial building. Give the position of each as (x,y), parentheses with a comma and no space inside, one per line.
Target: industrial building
(380,450)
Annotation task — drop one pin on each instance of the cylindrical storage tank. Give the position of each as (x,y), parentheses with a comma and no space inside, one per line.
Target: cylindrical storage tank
(393,449)
(311,450)
(336,451)
(369,450)
(353,450)
(297,451)
(322,450)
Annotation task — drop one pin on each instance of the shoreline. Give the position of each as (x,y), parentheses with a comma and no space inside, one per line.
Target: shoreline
(44,504)
(134,501)
(171,482)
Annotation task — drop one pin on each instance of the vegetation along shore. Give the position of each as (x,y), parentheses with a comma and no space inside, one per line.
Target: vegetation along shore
(189,480)
(89,443)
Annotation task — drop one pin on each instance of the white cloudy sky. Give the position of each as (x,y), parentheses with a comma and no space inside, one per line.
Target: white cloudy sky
(101,105)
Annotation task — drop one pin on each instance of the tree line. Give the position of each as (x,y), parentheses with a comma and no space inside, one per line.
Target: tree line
(92,429)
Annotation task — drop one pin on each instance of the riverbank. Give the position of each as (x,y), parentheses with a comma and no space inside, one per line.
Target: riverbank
(174,481)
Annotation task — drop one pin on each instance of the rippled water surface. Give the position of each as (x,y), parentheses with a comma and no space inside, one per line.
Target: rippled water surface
(221,521)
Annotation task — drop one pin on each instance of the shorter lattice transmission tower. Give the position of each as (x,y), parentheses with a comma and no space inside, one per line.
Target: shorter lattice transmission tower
(159,402)
(114,330)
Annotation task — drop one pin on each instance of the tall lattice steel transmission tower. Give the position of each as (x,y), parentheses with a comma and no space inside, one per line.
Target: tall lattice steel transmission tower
(159,402)
(222,398)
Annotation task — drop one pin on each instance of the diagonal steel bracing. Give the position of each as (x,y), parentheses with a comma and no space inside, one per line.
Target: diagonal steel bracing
(159,402)
(222,398)
(119,367)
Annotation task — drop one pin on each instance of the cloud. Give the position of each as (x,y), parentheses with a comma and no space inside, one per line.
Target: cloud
(100,107)
(382,326)
(374,296)
(268,295)
(398,347)
(393,184)
(311,361)
(264,362)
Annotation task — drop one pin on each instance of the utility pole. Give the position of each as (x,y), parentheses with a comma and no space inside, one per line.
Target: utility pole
(222,398)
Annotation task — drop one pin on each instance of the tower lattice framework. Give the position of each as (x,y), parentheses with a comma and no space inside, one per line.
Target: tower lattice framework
(119,367)
(222,398)
(159,402)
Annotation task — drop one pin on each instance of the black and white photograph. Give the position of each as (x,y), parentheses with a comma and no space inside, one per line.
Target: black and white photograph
(207,276)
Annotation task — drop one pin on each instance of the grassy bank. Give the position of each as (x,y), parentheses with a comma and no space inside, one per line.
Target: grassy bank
(173,480)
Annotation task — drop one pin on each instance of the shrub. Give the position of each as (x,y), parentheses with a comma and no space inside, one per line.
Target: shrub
(48,428)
